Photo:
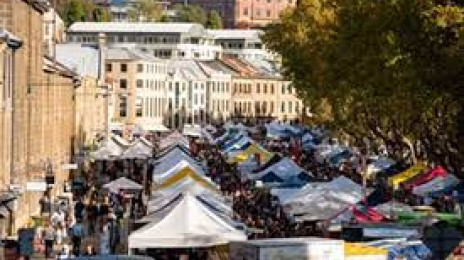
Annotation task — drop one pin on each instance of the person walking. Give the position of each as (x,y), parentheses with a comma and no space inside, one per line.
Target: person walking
(77,234)
(49,237)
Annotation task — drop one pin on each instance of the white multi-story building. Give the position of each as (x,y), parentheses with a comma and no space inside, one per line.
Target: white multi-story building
(161,40)
(186,94)
(241,43)
(138,88)
(219,91)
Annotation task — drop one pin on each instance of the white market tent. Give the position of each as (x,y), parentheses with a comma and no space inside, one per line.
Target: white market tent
(110,150)
(284,169)
(436,184)
(173,139)
(137,150)
(325,201)
(145,142)
(188,225)
(169,167)
(122,184)
(169,162)
(120,141)
(192,130)
(155,128)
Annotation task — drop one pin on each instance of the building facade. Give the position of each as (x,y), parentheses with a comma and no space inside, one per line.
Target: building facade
(138,88)
(54,31)
(90,97)
(241,43)
(42,103)
(243,13)
(161,40)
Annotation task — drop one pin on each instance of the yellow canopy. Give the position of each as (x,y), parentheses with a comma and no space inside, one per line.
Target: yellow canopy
(355,249)
(186,172)
(397,179)
(251,151)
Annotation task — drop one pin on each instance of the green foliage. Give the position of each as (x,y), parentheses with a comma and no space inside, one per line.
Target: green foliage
(190,14)
(101,15)
(73,11)
(389,70)
(146,11)
(82,10)
(214,20)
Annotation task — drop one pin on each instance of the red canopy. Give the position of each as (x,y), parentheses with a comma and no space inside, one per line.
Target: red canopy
(426,177)
(368,215)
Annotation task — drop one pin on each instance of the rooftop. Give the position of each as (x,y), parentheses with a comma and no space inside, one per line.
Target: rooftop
(186,69)
(128,53)
(82,59)
(116,27)
(236,34)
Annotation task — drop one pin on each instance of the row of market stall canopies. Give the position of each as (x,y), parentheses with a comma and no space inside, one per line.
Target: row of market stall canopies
(186,209)
(116,148)
(423,181)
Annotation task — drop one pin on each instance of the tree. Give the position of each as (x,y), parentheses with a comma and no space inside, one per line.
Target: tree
(388,70)
(190,14)
(214,20)
(101,15)
(146,10)
(72,11)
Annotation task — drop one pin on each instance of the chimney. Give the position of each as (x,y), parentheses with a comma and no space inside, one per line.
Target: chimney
(102,51)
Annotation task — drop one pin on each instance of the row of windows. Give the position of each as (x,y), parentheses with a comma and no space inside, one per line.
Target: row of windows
(122,67)
(156,85)
(151,68)
(220,105)
(219,87)
(258,12)
(149,107)
(196,86)
(264,88)
(266,107)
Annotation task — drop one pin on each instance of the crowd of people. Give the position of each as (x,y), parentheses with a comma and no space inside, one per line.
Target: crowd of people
(95,221)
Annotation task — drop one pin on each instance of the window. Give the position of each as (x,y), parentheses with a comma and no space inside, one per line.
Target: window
(268,1)
(245,11)
(227,87)
(271,107)
(265,89)
(139,67)
(290,106)
(139,106)
(290,1)
(297,107)
(123,83)
(195,99)
(123,67)
(140,83)
(272,88)
(283,88)
(283,107)
(268,13)
(258,13)
(108,67)
(123,107)
(202,99)
(258,88)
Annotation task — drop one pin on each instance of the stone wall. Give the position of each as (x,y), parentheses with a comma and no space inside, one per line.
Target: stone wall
(43,107)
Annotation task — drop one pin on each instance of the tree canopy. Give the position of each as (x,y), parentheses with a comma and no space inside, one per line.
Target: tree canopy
(214,20)
(190,14)
(146,11)
(73,11)
(388,70)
